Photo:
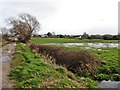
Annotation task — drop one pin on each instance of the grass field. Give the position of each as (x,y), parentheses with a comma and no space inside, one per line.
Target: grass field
(67,40)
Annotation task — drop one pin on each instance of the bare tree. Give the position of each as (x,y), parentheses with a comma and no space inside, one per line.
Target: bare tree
(23,26)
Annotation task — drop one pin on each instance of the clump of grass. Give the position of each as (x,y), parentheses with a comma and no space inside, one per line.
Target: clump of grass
(81,63)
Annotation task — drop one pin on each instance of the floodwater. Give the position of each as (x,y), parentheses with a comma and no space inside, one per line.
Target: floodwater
(92,45)
(114,85)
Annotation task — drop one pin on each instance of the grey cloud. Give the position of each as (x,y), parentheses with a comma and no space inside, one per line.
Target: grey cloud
(40,9)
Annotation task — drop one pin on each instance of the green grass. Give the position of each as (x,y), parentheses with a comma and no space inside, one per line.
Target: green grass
(31,71)
(67,40)
(110,65)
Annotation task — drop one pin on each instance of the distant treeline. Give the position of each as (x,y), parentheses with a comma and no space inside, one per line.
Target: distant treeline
(84,36)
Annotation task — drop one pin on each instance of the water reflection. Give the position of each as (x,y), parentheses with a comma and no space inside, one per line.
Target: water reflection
(94,45)
(114,85)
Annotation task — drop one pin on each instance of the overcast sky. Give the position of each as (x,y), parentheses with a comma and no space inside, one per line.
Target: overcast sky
(66,16)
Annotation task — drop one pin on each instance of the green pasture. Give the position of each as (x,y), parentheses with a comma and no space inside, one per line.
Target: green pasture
(68,40)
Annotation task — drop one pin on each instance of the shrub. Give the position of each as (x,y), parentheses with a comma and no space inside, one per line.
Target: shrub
(107,37)
(81,63)
(101,77)
(116,77)
(91,84)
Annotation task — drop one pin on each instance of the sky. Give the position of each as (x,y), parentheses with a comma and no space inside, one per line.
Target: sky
(66,16)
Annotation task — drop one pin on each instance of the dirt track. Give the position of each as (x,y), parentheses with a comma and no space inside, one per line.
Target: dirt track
(5,65)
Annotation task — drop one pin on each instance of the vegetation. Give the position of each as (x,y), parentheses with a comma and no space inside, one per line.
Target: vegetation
(84,36)
(81,63)
(108,70)
(24,26)
(31,71)
(67,40)
(48,66)
(110,66)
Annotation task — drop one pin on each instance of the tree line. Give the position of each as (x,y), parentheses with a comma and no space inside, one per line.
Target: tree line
(84,36)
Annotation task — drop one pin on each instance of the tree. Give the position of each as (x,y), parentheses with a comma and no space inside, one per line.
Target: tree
(23,26)
(60,36)
(97,36)
(107,37)
(49,34)
(85,35)
(116,37)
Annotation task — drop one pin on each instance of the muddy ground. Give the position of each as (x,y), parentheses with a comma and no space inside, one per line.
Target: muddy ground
(5,65)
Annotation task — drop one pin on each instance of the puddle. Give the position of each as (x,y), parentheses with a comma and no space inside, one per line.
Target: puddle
(110,84)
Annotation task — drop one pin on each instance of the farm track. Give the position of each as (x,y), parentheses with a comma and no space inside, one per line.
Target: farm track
(5,63)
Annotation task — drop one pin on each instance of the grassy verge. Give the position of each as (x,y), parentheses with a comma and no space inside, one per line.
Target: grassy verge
(67,40)
(31,71)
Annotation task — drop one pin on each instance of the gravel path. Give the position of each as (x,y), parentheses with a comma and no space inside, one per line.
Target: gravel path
(5,65)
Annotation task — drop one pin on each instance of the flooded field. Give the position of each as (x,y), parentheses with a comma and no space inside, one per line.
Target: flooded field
(92,45)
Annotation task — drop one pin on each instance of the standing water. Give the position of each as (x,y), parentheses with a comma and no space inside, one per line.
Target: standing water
(92,45)
(114,85)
